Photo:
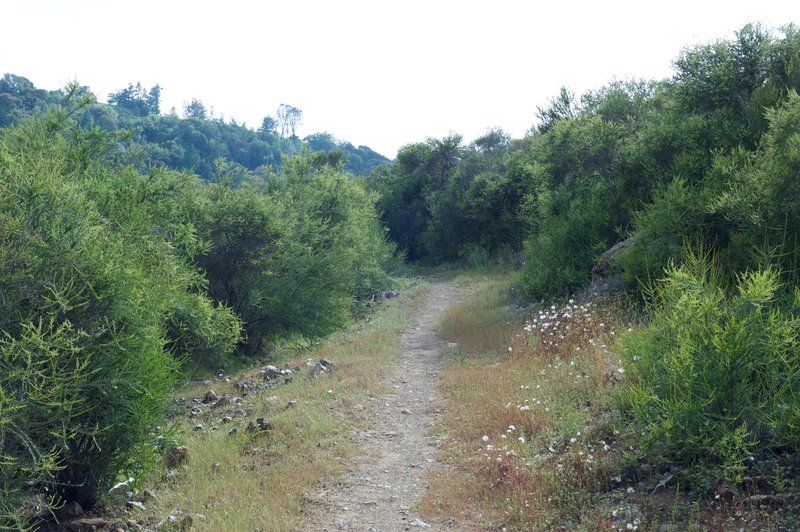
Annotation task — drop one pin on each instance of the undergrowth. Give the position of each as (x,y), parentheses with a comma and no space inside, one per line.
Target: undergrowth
(537,438)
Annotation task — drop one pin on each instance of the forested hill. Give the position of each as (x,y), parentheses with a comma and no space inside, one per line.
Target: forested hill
(193,141)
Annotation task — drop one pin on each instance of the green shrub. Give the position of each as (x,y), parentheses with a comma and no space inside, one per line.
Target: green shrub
(99,300)
(716,375)
(200,332)
(291,257)
(662,228)
(560,256)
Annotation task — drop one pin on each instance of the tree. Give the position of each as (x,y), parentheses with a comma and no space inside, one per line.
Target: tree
(137,100)
(194,109)
(289,118)
(268,125)
(561,107)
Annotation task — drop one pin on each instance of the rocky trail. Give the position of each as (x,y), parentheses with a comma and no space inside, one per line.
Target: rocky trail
(379,492)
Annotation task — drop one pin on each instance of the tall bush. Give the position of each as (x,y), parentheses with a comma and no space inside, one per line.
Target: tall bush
(83,366)
(291,255)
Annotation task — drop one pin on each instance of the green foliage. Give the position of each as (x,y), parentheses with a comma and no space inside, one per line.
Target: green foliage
(559,257)
(84,369)
(692,159)
(441,200)
(576,207)
(195,109)
(137,100)
(111,279)
(19,97)
(716,374)
(359,161)
(747,201)
(292,255)
(193,143)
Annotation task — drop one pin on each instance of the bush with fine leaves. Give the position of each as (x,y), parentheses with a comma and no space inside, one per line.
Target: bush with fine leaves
(96,294)
(716,374)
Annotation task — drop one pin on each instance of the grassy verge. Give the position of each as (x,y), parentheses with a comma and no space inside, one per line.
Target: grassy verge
(533,431)
(259,480)
(526,414)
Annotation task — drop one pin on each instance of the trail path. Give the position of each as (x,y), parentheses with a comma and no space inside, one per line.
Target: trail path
(379,492)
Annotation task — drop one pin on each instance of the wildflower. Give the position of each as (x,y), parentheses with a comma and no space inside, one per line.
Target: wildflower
(620,370)
(521,439)
(485,438)
(512,428)
(630,490)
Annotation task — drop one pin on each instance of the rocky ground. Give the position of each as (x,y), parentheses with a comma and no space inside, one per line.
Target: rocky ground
(380,491)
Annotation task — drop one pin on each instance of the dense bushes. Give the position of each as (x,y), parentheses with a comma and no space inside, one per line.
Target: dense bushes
(716,375)
(745,207)
(444,201)
(83,369)
(111,281)
(291,255)
(706,160)
(576,205)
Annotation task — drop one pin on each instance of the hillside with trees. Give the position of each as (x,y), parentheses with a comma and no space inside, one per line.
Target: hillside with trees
(192,142)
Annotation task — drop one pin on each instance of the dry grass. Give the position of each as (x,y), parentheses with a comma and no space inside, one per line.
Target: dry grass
(528,415)
(261,481)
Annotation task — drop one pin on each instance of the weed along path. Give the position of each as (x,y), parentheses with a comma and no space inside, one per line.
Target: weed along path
(380,490)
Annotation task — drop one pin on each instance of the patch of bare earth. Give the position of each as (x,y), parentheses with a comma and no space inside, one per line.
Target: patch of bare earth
(380,491)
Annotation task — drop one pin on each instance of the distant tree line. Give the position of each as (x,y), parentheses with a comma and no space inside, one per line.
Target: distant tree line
(192,142)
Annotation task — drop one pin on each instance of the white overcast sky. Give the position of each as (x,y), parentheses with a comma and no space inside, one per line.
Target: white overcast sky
(379,73)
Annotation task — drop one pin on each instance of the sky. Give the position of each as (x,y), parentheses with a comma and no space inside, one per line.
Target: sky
(380,73)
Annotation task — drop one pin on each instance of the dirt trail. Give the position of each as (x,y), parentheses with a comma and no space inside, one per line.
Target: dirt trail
(380,491)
